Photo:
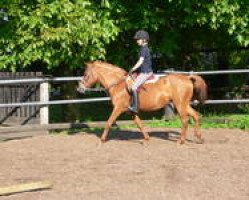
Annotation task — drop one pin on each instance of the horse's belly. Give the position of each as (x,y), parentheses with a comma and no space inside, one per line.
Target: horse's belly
(152,102)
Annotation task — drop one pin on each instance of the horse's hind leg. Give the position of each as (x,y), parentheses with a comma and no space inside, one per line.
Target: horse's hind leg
(184,119)
(139,124)
(182,110)
(115,113)
(196,117)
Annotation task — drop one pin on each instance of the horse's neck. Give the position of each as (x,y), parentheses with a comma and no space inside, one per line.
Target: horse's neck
(112,83)
(110,79)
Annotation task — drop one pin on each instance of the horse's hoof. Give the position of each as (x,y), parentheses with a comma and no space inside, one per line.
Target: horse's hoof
(102,140)
(180,142)
(147,138)
(100,143)
(145,142)
(199,141)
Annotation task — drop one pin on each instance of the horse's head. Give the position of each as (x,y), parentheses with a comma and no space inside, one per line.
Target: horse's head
(88,79)
(104,73)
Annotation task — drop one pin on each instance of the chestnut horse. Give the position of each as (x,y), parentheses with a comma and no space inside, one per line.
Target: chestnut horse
(175,88)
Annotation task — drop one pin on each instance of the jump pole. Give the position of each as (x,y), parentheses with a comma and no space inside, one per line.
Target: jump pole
(28,187)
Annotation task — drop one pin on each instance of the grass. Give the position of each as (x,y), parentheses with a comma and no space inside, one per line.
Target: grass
(240,121)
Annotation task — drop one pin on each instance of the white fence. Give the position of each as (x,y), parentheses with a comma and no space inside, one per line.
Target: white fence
(44,92)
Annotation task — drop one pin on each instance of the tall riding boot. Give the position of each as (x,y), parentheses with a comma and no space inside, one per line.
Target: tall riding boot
(135,103)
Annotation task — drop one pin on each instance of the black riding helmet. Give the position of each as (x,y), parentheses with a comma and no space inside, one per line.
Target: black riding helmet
(141,34)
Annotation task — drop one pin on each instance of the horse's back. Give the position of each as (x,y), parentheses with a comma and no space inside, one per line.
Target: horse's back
(181,86)
(154,96)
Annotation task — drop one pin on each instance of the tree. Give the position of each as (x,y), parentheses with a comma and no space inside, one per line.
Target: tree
(230,15)
(68,32)
(54,32)
(179,27)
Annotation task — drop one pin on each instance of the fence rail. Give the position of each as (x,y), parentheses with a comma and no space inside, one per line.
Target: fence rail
(72,78)
(235,71)
(90,100)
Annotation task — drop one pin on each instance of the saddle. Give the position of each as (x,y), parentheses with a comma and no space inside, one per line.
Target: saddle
(131,79)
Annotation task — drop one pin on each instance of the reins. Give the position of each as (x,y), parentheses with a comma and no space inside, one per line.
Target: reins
(117,83)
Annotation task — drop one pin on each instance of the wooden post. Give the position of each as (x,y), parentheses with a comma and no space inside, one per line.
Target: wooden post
(44,98)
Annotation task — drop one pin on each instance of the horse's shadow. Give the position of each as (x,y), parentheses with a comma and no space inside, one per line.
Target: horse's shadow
(122,134)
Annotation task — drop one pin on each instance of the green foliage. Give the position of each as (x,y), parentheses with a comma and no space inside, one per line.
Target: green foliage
(231,16)
(178,27)
(69,32)
(245,108)
(55,32)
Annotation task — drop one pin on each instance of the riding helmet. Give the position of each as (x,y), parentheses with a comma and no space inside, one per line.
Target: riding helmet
(141,34)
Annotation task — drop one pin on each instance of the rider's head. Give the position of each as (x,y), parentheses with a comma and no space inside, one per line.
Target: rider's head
(142,37)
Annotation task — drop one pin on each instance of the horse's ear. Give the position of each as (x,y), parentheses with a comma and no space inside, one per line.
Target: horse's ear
(89,64)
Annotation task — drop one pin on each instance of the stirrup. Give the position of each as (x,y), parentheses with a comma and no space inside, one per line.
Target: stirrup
(134,110)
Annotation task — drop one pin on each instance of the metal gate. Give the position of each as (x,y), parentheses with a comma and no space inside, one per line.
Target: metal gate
(19,93)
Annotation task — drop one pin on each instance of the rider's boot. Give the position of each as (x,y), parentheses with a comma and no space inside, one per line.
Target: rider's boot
(135,103)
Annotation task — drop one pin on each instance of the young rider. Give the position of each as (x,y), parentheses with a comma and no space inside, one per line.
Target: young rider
(143,66)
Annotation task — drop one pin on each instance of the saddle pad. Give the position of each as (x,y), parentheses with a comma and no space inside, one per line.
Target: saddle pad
(153,79)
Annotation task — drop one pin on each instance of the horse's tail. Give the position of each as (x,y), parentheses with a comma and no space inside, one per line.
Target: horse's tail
(200,88)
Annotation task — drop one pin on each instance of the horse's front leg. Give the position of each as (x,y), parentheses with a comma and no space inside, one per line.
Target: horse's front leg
(139,124)
(115,113)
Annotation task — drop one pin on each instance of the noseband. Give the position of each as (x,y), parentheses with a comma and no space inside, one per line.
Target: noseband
(82,88)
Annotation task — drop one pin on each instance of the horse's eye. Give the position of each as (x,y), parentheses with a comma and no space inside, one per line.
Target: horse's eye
(85,77)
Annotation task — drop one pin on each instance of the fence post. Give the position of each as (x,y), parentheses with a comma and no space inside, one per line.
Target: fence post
(169,111)
(44,98)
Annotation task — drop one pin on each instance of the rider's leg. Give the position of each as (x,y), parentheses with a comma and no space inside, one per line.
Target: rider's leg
(135,101)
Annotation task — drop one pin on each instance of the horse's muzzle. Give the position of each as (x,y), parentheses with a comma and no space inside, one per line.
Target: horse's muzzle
(81,88)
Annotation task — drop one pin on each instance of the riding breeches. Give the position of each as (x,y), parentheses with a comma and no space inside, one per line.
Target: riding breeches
(142,77)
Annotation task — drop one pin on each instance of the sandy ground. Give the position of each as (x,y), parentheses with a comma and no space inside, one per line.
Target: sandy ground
(125,169)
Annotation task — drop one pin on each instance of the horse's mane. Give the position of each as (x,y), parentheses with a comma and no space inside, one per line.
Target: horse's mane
(108,66)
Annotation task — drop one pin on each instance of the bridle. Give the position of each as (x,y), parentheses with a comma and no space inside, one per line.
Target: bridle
(82,88)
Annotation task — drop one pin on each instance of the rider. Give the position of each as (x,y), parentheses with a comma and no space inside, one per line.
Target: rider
(143,66)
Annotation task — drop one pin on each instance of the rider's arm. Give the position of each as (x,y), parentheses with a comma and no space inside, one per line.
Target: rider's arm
(138,64)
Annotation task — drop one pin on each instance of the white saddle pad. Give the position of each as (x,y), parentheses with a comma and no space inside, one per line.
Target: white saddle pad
(155,79)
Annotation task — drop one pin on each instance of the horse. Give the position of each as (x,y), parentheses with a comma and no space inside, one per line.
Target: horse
(176,88)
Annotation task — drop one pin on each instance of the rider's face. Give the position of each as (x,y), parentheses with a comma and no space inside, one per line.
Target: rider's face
(140,42)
